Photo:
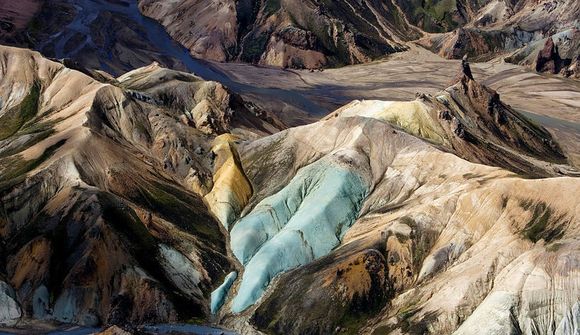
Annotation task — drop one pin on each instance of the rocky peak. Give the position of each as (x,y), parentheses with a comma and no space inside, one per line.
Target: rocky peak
(548,59)
(464,75)
(479,95)
(480,117)
(465,68)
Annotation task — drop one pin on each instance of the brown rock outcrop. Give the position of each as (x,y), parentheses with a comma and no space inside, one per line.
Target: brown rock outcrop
(101,190)
(548,59)
(297,34)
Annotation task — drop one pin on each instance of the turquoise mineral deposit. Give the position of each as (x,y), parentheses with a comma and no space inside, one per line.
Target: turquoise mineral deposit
(302,222)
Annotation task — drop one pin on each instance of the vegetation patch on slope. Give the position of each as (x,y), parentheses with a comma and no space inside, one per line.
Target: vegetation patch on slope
(15,118)
(544,223)
(14,169)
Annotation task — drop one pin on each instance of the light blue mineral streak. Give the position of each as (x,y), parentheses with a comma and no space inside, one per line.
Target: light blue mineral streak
(218,296)
(302,222)
(270,215)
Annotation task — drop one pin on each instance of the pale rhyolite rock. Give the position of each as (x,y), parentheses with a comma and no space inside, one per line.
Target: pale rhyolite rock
(92,173)
(10,311)
(454,233)
(412,116)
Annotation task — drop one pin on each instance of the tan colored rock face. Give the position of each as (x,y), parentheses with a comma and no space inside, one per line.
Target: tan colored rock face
(103,222)
(294,34)
(377,219)
(313,34)
(481,251)
(207,28)
(231,189)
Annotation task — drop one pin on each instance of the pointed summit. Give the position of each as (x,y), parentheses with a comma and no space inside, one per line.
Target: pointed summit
(465,68)
(548,59)
(464,74)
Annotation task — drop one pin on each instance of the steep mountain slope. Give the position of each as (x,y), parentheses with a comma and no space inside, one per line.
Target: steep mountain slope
(297,34)
(548,100)
(408,238)
(109,35)
(112,35)
(493,29)
(314,34)
(423,250)
(471,120)
(159,197)
(102,185)
(372,230)
(488,15)
(559,53)
(98,34)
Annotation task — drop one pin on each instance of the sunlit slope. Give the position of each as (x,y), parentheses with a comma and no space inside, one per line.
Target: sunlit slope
(374,220)
(101,187)
(433,236)
(470,119)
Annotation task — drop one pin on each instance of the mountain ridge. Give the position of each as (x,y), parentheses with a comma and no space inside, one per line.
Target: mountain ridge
(159,197)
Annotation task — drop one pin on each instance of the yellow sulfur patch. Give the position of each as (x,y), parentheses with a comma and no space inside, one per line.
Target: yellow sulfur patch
(231,190)
(411,116)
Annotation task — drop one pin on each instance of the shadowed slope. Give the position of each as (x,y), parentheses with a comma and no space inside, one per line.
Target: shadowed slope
(434,235)
(298,34)
(101,185)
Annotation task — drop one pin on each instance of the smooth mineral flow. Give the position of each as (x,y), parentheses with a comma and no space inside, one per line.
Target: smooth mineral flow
(302,222)
(219,295)
(321,169)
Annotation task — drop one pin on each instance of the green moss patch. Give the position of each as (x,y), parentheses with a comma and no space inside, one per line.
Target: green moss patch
(271,7)
(179,208)
(15,118)
(544,223)
(15,168)
(435,16)
(254,47)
